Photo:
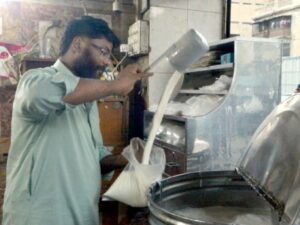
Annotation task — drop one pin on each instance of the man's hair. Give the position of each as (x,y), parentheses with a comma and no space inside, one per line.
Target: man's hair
(87,26)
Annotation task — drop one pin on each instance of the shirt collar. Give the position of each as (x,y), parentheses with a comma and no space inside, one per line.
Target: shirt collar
(60,67)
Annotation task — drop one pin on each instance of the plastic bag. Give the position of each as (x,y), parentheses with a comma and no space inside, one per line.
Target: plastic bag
(200,105)
(220,85)
(132,185)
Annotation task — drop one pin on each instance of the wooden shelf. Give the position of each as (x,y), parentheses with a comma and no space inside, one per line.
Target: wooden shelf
(51,60)
(114,98)
(32,63)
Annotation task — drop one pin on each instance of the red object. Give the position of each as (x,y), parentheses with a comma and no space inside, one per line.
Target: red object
(13,48)
(4,55)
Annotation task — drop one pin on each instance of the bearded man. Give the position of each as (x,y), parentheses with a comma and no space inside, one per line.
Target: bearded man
(57,155)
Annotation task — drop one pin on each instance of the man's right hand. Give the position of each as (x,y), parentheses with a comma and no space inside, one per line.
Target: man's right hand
(90,89)
(127,78)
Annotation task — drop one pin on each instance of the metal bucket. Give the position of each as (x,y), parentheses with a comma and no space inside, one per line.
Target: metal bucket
(179,199)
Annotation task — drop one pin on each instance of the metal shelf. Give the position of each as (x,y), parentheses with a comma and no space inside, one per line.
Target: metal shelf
(198,92)
(171,117)
(227,66)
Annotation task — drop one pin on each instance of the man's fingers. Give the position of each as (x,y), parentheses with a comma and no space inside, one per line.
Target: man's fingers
(145,75)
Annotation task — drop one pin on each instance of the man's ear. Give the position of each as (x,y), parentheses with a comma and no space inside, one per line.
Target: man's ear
(78,44)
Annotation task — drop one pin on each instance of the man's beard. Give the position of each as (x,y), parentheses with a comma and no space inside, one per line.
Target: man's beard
(85,67)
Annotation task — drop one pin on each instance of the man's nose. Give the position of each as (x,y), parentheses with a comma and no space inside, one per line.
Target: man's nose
(106,61)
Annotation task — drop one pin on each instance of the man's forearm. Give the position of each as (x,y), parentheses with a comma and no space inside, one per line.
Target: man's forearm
(91,89)
(112,162)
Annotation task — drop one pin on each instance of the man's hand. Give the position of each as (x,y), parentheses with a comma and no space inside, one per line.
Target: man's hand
(112,162)
(127,78)
(91,89)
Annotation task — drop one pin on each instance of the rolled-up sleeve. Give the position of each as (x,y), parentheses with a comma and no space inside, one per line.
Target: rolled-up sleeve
(42,91)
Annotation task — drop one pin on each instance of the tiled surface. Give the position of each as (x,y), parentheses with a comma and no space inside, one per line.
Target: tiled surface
(206,5)
(208,24)
(157,84)
(169,20)
(179,4)
(166,26)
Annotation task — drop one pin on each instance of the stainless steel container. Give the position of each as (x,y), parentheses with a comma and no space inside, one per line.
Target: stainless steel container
(266,184)
(176,200)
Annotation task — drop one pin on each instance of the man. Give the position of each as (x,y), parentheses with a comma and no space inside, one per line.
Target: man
(53,169)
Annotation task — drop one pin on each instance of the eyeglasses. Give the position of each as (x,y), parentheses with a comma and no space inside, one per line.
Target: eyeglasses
(102,51)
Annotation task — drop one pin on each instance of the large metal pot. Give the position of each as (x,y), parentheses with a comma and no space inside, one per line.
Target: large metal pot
(266,182)
(179,199)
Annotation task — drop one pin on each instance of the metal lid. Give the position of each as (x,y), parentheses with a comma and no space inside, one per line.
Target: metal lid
(271,163)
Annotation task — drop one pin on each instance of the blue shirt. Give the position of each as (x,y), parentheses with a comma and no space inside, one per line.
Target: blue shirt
(53,169)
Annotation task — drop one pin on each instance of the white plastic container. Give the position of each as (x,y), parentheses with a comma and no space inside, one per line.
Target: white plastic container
(183,53)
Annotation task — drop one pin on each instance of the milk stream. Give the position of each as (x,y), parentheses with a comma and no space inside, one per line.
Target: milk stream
(175,78)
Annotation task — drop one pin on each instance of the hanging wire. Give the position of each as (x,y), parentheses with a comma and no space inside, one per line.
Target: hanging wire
(119,63)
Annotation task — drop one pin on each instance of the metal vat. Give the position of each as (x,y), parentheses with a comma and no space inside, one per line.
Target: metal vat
(175,200)
(265,184)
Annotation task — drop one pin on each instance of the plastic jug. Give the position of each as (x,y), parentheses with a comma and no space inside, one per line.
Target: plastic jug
(183,53)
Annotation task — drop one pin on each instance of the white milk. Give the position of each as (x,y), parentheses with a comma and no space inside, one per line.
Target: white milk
(175,78)
(132,185)
(228,215)
(130,188)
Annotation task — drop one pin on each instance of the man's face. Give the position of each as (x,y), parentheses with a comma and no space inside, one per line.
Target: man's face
(94,58)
